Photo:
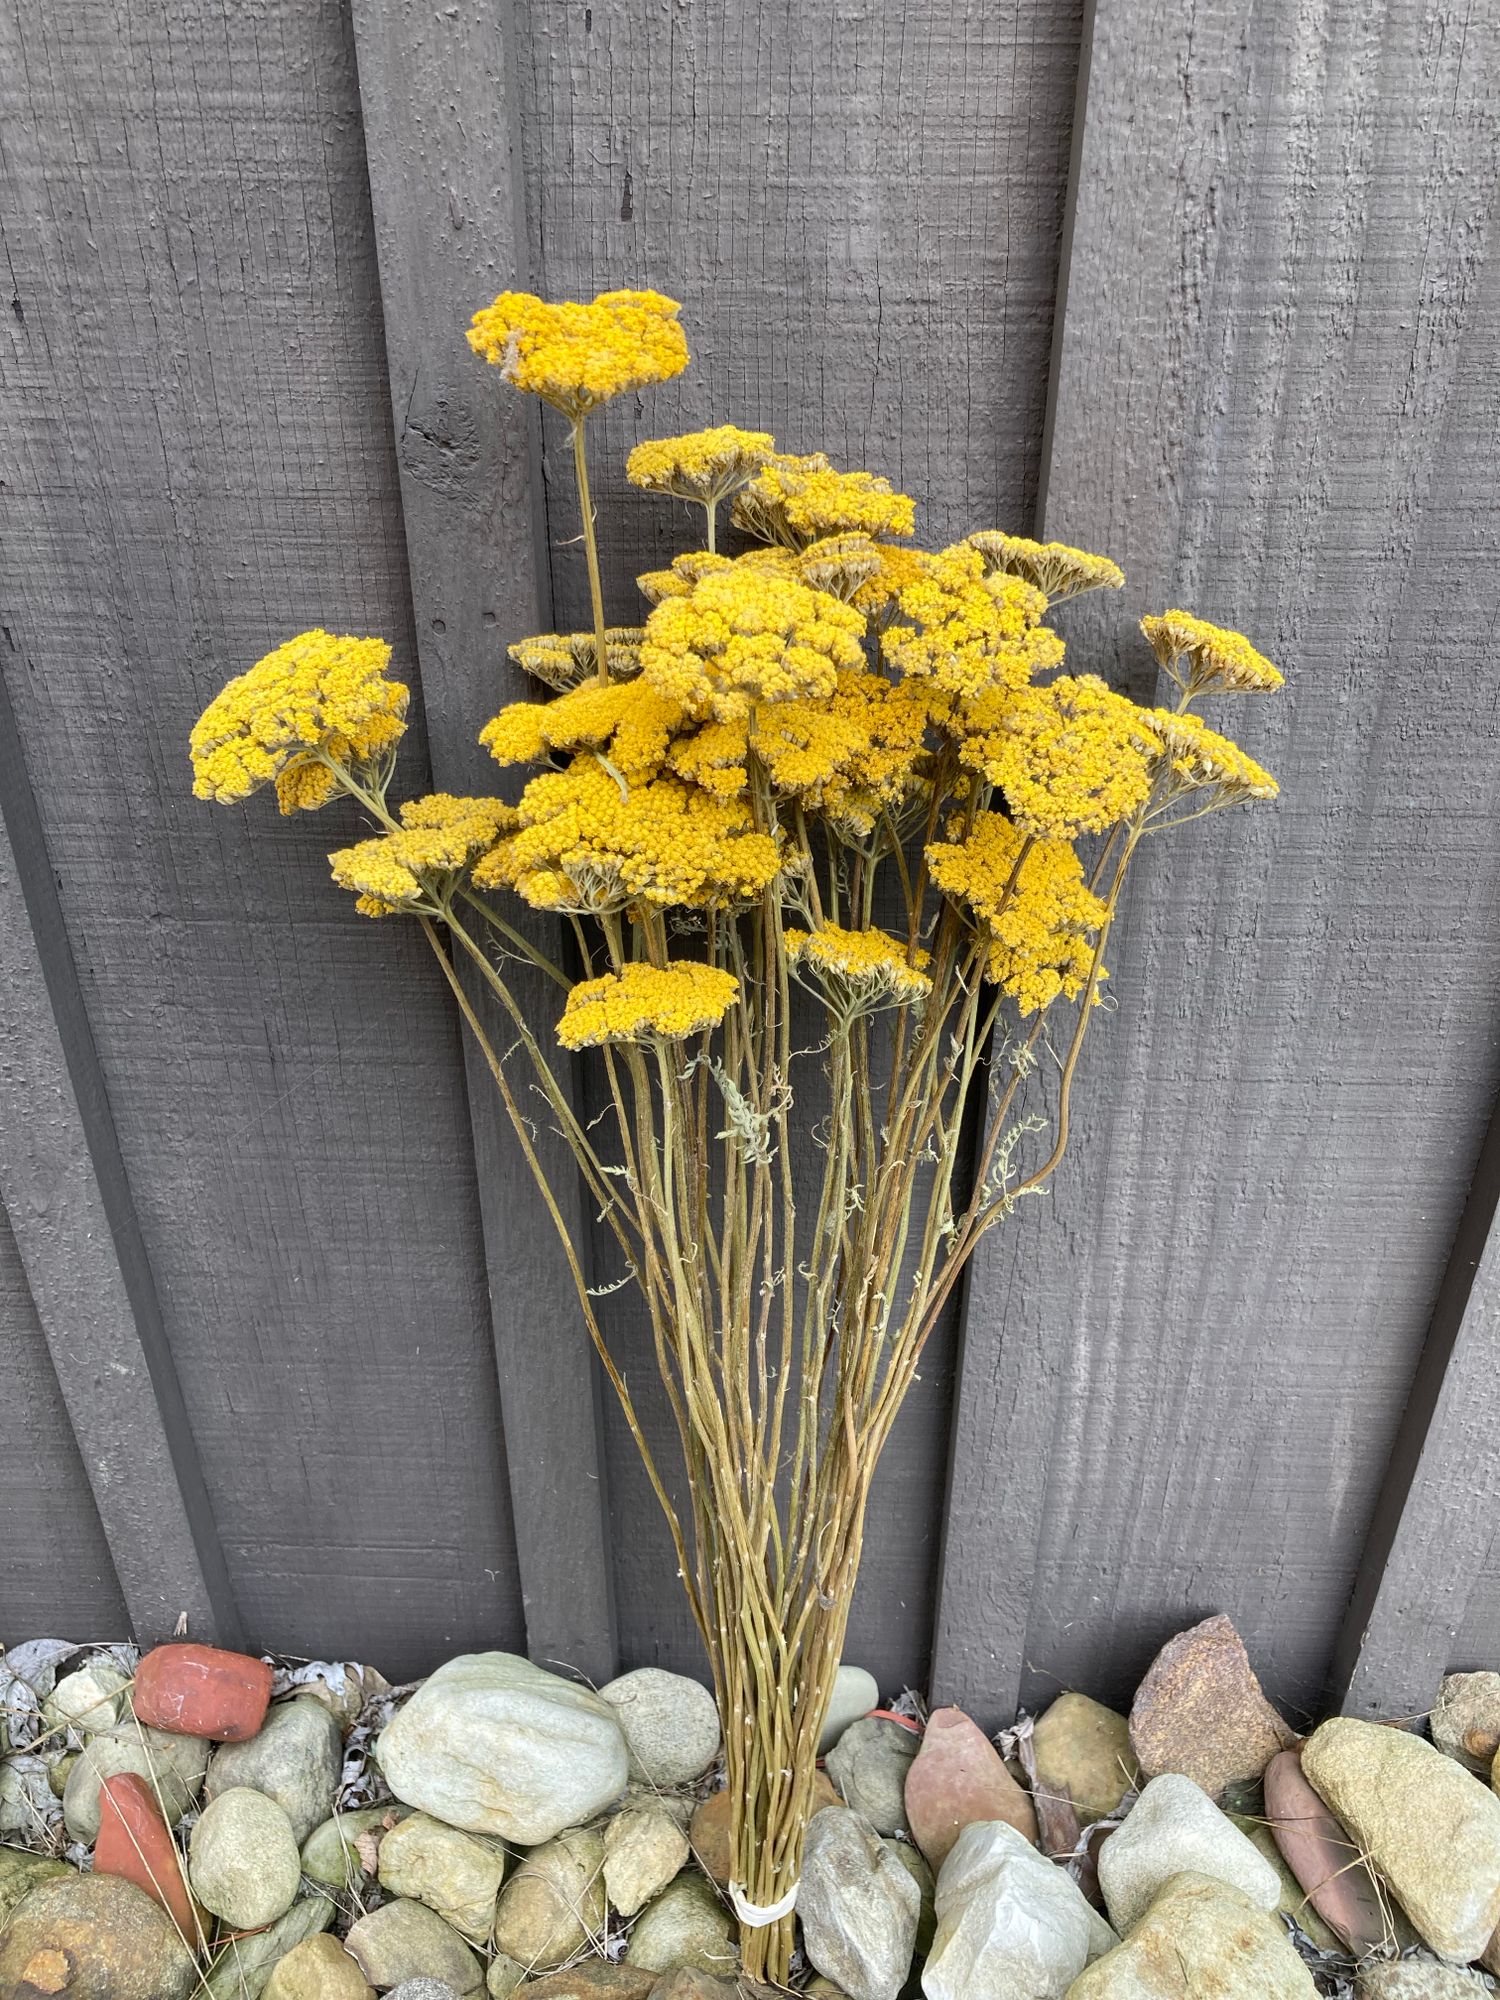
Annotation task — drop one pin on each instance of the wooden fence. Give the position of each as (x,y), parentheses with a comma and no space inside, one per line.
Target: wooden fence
(1208,287)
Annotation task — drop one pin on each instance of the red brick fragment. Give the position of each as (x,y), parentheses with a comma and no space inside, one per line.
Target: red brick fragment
(202,1691)
(134,1843)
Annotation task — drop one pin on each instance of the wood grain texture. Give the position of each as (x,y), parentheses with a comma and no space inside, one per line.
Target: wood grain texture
(859,209)
(1430,1555)
(196,461)
(57,1575)
(1277,403)
(71,1217)
(441,134)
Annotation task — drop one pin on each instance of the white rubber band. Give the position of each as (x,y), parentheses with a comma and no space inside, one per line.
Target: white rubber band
(755,1916)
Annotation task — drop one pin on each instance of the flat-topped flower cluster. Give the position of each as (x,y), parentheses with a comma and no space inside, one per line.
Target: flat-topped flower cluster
(837,802)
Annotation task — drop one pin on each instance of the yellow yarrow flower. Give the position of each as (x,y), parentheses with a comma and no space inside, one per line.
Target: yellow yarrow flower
(567,659)
(626,722)
(1199,759)
(1056,570)
(1200,656)
(898,568)
(439,835)
(860,969)
(701,466)
(1071,758)
(584,844)
(322,695)
(1039,916)
(967,634)
(843,565)
(576,357)
(794,501)
(693,565)
(745,635)
(671,1000)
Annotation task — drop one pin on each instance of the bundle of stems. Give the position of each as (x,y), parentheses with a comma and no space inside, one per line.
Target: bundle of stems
(814,834)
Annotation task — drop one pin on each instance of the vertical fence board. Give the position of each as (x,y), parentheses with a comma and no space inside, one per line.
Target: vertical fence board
(859,209)
(195,462)
(1276,403)
(63,1185)
(441,135)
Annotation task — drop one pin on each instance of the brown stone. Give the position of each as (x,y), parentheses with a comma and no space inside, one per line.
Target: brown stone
(709,1834)
(317,1969)
(202,1691)
(1323,1858)
(957,1778)
(93,1937)
(591,1979)
(1083,1754)
(1200,1711)
(135,1844)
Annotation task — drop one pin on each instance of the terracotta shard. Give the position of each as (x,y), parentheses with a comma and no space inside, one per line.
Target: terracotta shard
(1200,1711)
(135,1843)
(202,1691)
(1323,1857)
(957,1778)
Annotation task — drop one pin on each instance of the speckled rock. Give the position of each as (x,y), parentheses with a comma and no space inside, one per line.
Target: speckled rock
(592,1979)
(174,1766)
(855,1693)
(670,1724)
(1172,1829)
(858,1907)
(1083,1754)
(20,1871)
(243,1863)
(422,1989)
(457,1874)
(1465,1720)
(643,1851)
(295,1758)
(1011,1925)
(554,1903)
(686,1925)
(1200,1712)
(317,1969)
(1198,1937)
(406,1940)
(492,1744)
(869,1766)
(92,1937)
(1429,1827)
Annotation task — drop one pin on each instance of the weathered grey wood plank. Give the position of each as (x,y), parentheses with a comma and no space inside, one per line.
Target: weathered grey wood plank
(196,461)
(441,134)
(859,210)
(1277,403)
(57,1576)
(1436,1527)
(67,1200)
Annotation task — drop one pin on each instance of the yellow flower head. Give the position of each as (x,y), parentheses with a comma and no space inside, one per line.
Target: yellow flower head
(898,568)
(748,634)
(1072,758)
(859,969)
(576,357)
(1039,916)
(438,836)
(968,634)
(703,466)
(843,565)
(626,723)
(670,1000)
(693,565)
(585,843)
(1200,656)
(564,659)
(1199,759)
(320,696)
(795,501)
(1057,571)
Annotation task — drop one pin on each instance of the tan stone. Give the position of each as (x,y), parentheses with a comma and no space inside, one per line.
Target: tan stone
(554,1903)
(317,1969)
(1083,1753)
(1200,1711)
(1199,1937)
